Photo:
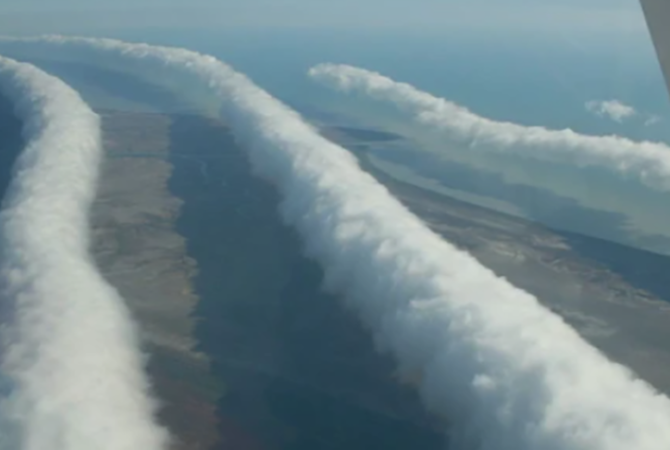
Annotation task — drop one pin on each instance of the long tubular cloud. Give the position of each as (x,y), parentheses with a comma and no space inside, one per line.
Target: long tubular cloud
(649,162)
(506,372)
(69,356)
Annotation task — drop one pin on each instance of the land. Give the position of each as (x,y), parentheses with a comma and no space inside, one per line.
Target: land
(613,295)
(11,142)
(246,350)
(140,252)
(300,371)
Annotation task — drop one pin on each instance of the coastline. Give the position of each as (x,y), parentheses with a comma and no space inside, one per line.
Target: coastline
(612,294)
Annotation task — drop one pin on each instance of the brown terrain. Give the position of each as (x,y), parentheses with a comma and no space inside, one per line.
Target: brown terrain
(247,352)
(140,252)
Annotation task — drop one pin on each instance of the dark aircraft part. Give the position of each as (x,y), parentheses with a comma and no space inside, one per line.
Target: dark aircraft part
(657,13)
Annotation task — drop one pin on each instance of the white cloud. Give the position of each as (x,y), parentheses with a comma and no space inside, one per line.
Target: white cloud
(506,372)
(70,361)
(612,109)
(647,161)
(652,120)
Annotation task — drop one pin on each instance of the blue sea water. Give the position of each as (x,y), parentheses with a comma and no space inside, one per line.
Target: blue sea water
(530,80)
(536,81)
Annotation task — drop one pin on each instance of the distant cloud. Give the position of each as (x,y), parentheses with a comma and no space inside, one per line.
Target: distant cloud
(612,109)
(652,120)
(505,371)
(619,112)
(649,162)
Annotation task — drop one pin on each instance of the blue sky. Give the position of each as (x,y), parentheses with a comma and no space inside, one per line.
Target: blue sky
(587,16)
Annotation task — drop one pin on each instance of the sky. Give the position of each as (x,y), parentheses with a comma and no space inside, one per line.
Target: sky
(473,343)
(427,16)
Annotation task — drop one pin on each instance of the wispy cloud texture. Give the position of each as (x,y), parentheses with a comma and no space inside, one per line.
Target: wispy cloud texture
(612,109)
(506,372)
(649,162)
(620,112)
(69,356)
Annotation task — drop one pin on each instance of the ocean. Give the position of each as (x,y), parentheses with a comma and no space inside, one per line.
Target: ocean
(529,80)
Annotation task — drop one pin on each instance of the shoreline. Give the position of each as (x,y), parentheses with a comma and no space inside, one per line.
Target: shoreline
(612,294)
